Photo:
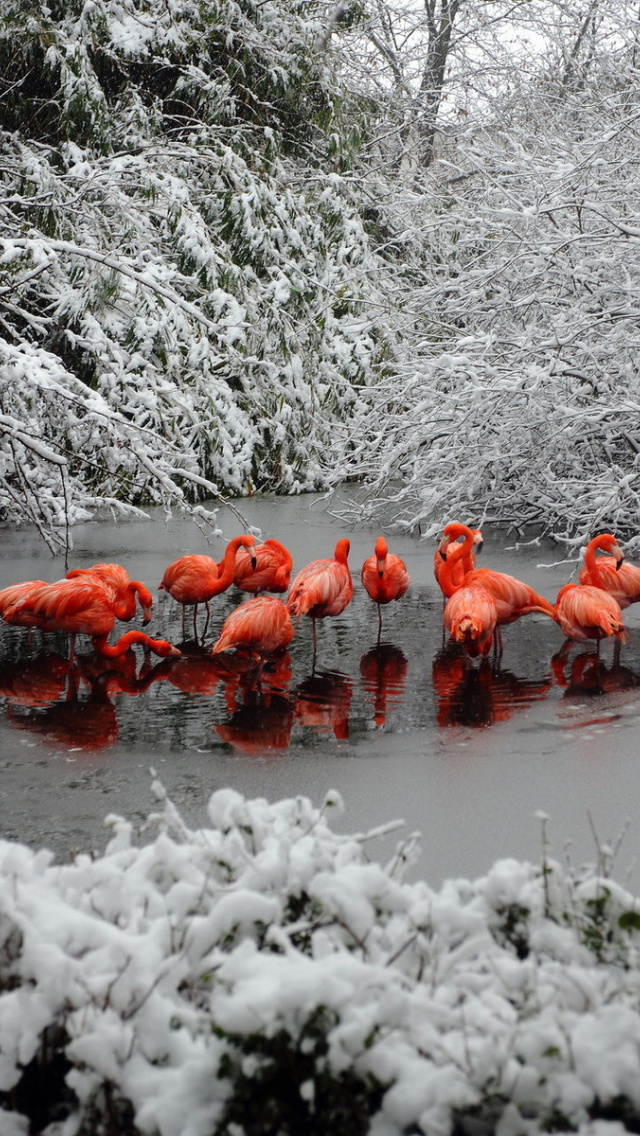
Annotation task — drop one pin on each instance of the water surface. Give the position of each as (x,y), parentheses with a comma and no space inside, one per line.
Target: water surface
(400,728)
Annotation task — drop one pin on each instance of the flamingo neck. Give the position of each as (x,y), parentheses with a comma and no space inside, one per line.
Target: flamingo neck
(446,572)
(227,565)
(112,651)
(341,553)
(599,543)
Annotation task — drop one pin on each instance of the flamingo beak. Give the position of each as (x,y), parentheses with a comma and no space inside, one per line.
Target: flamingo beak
(254,562)
(619,563)
(478,547)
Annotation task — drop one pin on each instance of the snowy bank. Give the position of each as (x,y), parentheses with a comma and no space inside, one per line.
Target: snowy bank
(264,976)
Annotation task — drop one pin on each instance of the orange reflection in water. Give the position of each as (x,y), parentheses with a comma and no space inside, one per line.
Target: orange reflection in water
(384,674)
(257,699)
(49,688)
(322,701)
(479,695)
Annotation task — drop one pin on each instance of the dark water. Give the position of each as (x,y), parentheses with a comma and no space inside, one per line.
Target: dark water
(401,729)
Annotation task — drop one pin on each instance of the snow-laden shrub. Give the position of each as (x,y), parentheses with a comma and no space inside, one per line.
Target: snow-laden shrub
(262,975)
(186,288)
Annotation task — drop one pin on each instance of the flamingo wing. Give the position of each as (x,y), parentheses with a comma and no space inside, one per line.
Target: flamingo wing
(16,602)
(67,599)
(272,571)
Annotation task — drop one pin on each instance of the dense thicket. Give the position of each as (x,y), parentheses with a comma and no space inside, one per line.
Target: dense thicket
(182,265)
(268,244)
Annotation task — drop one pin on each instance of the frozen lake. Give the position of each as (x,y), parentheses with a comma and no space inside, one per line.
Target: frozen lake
(398,730)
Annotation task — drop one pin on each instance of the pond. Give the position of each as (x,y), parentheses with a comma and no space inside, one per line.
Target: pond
(398,728)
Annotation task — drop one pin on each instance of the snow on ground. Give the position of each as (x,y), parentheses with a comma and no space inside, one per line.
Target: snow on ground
(176,971)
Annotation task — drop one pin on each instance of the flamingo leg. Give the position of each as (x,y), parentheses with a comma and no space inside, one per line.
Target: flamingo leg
(206,622)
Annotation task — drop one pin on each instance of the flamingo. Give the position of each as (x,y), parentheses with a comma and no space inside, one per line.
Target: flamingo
(261,625)
(195,579)
(322,587)
(585,612)
(384,576)
(15,607)
(513,598)
(127,590)
(470,617)
(447,547)
(611,573)
(266,569)
(85,605)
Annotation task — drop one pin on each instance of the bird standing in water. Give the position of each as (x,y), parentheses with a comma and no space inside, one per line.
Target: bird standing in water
(512,597)
(85,605)
(384,576)
(322,587)
(470,614)
(585,612)
(260,626)
(267,568)
(195,579)
(447,547)
(610,572)
(126,589)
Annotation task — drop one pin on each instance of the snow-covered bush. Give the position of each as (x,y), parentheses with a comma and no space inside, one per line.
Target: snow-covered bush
(186,289)
(262,975)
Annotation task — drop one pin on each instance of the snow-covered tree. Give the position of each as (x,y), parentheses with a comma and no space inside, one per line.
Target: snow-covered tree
(516,265)
(186,289)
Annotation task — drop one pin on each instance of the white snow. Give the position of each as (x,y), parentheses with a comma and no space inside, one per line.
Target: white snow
(514,997)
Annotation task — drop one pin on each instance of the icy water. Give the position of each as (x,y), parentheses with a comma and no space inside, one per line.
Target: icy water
(399,729)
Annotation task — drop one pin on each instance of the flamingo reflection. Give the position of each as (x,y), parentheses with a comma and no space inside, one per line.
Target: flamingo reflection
(322,701)
(36,681)
(76,724)
(589,675)
(480,695)
(259,726)
(384,673)
(196,672)
(49,687)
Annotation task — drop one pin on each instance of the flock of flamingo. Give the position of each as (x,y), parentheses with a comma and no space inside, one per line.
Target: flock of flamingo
(478,601)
